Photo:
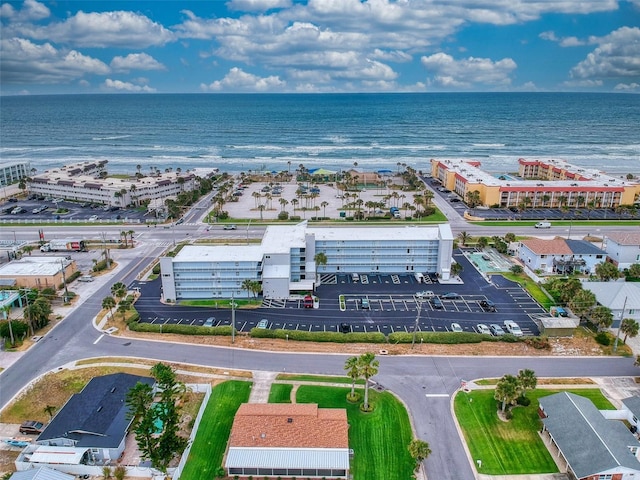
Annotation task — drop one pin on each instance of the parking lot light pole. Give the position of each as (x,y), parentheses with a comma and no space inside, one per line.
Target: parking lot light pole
(233,320)
(615,344)
(415,328)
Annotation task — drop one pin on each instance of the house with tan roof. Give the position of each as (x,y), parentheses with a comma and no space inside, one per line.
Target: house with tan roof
(623,248)
(285,440)
(560,255)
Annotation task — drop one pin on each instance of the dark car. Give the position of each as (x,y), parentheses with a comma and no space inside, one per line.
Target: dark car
(437,304)
(345,328)
(31,427)
(13,200)
(450,296)
(488,305)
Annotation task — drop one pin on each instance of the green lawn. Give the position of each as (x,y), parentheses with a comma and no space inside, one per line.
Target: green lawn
(514,447)
(379,439)
(213,432)
(280,393)
(530,286)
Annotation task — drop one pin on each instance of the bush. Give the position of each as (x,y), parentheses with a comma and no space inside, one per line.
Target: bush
(448,338)
(603,339)
(156,269)
(539,343)
(177,329)
(73,276)
(523,401)
(284,215)
(100,266)
(304,336)
(508,414)
(295,218)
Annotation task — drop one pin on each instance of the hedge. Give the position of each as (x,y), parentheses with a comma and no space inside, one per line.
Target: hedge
(178,329)
(304,336)
(450,338)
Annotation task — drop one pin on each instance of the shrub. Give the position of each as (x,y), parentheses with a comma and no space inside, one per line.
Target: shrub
(448,338)
(304,336)
(295,218)
(523,401)
(100,266)
(539,343)
(284,215)
(156,269)
(508,414)
(178,329)
(603,339)
(73,276)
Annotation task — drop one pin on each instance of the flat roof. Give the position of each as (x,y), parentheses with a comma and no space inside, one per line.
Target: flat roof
(281,238)
(220,253)
(405,233)
(58,455)
(325,458)
(34,266)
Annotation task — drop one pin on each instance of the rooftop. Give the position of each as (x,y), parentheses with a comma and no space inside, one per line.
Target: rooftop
(625,238)
(289,425)
(34,266)
(556,246)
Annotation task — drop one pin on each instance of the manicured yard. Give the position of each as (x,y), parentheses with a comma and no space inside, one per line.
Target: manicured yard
(280,393)
(513,447)
(213,432)
(379,439)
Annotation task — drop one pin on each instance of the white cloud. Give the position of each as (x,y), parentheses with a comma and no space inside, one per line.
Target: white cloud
(27,62)
(257,5)
(31,10)
(100,29)
(238,80)
(391,56)
(465,73)
(617,55)
(583,83)
(120,86)
(563,42)
(136,61)
(627,87)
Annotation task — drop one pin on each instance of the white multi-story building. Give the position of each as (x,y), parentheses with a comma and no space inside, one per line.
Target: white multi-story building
(560,255)
(285,261)
(623,248)
(83,182)
(13,172)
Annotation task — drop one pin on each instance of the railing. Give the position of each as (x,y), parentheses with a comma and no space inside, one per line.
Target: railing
(25,221)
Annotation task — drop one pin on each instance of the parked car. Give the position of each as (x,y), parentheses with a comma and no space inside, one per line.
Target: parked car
(31,427)
(17,210)
(263,324)
(455,327)
(483,329)
(345,328)
(496,330)
(85,278)
(513,328)
(450,296)
(229,227)
(93,218)
(436,303)
(561,312)
(307,301)
(13,200)
(180,221)
(364,303)
(487,305)
(209,322)
(425,294)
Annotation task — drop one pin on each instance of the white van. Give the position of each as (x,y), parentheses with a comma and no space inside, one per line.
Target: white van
(419,277)
(355,277)
(543,225)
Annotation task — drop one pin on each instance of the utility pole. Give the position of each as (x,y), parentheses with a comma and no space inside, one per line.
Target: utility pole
(615,344)
(415,328)
(64,281)
(233,320)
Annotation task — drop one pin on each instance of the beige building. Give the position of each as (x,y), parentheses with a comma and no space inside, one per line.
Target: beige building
(539,184)
(38,272)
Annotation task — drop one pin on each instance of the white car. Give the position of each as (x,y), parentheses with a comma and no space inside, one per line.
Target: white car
(93,218)
(455,327)
(513,328)
(483,329)
(425,294)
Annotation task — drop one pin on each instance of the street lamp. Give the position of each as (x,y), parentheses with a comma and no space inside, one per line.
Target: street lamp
(415,328)
(615,344)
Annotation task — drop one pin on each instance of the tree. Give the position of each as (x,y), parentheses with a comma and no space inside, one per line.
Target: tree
(108,303)
(464,238)
(473,198)
(507,390)
(527,380)
(50,410)
(324,206)
(629,327)
(131,234)
(123,308)
(634,270)
(606,271)
(247,285)
(419,450)
(509,237)
(601,316)
(118,290)
(456,269)
(352,366)
(482,242)
(582,302)
(516,269)
(6,310)
(368,368)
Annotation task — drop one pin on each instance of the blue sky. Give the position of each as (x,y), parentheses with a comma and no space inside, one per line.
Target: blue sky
(317,46)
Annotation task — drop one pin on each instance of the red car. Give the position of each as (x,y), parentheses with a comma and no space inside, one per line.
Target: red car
(308,301)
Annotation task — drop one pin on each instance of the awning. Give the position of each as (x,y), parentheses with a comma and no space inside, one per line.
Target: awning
(58,455)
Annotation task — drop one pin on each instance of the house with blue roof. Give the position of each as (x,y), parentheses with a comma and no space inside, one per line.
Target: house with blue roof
(560,255)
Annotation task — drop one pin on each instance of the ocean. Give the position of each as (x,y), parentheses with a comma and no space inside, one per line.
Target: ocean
(276,132)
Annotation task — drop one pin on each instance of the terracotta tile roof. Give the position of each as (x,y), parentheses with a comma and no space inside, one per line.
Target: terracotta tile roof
(557,246)
(289,425)
(625,238)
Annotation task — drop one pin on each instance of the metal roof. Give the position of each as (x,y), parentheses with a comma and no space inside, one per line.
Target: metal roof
(41,473)
(58,455)
(260,457)
(615,295)
(590,443)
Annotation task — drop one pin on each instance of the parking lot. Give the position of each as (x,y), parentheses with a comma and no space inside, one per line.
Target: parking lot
(57,210)
(391,306)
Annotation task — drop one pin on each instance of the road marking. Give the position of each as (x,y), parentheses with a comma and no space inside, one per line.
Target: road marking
(99,338)
(437,395)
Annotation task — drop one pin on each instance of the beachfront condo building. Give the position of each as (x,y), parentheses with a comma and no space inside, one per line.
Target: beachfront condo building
(538,184)
(13,172)
(286,262)
(89,182)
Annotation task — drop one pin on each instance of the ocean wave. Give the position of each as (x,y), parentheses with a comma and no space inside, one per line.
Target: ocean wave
(113,137)
(488,145)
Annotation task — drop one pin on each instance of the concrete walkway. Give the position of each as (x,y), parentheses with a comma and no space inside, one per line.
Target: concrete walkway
(261,386)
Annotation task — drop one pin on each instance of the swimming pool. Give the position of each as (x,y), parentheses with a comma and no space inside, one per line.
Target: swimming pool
(489,262)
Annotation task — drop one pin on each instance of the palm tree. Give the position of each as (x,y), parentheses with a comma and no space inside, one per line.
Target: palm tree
(123,235)
(131,234)
(352,366)
(6,309)
(108,303)
(247,285)
(118,290)
(419,450)
(368,368)
(629,327)
(507,390)
(324,208)
(527,380)
(283,202)
(464,238)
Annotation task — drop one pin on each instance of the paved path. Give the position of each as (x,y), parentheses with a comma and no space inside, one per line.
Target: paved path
(261,386)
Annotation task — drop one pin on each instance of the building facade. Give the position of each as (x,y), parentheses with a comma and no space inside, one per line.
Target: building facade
(86,182)
(285,261)
(539,184)
(13,172)
(623,248)
(560,256)
(38,272)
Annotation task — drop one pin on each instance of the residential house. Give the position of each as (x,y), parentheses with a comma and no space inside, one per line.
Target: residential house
(592,446)
(622,298)
(560,255)
(623,248)
(92,426)
(41,473)
(284,440)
